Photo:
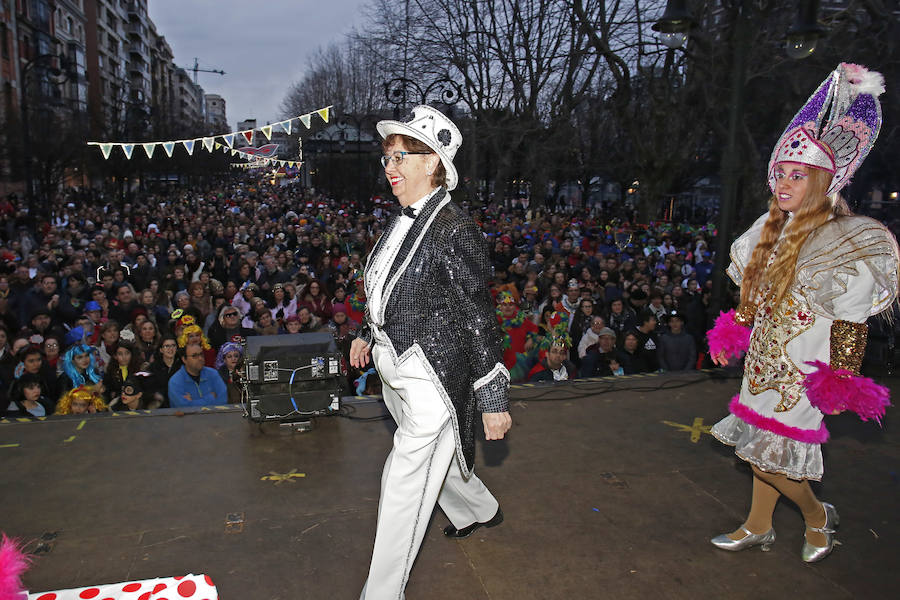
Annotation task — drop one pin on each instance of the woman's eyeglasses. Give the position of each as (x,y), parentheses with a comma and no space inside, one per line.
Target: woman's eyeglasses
(397,157)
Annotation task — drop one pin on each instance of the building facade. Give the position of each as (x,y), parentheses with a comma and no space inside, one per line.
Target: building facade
(79,70)
(216,118)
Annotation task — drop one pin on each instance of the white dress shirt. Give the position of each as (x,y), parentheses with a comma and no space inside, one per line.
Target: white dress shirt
(385,258)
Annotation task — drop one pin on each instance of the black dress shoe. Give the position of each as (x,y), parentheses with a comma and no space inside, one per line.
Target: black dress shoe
(452,532)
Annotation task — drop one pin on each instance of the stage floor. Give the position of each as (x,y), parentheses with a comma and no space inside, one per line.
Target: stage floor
(611,489)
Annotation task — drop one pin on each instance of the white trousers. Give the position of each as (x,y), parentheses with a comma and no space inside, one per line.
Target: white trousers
(420,470)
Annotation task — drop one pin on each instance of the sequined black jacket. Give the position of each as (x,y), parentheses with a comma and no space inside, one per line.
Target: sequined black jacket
(436,305)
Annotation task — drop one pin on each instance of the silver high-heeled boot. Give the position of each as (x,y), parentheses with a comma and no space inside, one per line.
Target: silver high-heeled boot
(751,539)
(812,553)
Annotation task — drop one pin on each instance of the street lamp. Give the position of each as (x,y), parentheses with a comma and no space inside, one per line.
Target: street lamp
(26,133)
(674,25)
(677,19)
(401,91)
(804,34)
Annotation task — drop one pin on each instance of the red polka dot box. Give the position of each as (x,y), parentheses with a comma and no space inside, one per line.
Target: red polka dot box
(186,587)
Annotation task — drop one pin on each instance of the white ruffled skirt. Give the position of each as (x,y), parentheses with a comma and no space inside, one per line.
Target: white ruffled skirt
(769,451)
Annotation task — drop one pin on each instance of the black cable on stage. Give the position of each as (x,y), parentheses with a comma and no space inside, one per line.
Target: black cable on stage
(586,389)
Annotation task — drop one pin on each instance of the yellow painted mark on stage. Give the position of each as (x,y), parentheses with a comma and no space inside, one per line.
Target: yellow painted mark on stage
(78,428)
(696,430)
(280,478)
(9,445)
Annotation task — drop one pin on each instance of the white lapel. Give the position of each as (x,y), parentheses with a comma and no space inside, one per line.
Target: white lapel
(398,272)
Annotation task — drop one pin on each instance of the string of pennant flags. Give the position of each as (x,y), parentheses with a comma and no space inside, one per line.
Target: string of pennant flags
(209,143)
(252,154)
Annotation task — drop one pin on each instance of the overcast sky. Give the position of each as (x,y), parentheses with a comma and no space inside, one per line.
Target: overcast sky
(262,45)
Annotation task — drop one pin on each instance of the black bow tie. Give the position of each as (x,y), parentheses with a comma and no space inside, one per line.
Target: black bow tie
(409,211)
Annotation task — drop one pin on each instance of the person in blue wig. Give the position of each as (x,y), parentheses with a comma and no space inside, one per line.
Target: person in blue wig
(79,367)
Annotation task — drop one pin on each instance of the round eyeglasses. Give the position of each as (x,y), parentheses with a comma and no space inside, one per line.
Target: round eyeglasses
(397,157)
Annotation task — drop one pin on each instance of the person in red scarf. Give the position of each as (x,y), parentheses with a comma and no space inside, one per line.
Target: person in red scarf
(518,331)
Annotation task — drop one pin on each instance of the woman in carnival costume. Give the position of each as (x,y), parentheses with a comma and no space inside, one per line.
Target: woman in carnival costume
(191,333)
(81,400)
(810,273)
(79,367)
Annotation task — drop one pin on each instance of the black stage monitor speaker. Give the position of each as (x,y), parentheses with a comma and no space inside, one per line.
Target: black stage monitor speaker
(293,376)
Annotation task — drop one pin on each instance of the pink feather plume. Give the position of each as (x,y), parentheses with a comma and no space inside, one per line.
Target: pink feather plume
(836,390)
(726,335)
(13,562)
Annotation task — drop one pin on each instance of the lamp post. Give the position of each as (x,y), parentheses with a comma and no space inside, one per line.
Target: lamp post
(26,129)
(401,91)
(674,26)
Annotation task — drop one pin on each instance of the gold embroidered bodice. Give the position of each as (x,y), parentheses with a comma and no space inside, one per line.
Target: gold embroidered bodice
(768,366)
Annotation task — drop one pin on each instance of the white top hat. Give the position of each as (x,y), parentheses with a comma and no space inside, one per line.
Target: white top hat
(432,127)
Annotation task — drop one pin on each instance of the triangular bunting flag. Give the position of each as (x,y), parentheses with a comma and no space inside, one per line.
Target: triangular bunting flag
(323,112)
(305,120)
(169,147)
(286,126)
(128,149)
(208,143)
(149,149)
(225,149)
(267,131)
(189,146)
(248,135)
(106,149)
(234,152)
(229,139)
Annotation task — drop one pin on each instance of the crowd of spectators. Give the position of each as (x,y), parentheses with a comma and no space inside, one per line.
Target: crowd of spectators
(106,303)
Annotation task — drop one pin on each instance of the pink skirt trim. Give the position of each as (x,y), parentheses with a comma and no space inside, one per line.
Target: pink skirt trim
(748,415)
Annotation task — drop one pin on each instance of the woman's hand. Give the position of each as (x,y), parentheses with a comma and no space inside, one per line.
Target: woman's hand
(720,359)
(496,425)
(359,354)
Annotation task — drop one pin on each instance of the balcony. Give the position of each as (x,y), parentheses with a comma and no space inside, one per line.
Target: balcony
(137,8)
(138,68)
(136,28)
(139,49)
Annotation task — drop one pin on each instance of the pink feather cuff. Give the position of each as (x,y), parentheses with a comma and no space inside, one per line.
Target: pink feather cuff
(835,390)
(12,564)
(728,336)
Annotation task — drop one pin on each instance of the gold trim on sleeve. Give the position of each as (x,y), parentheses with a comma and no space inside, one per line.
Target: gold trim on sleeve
(848,345)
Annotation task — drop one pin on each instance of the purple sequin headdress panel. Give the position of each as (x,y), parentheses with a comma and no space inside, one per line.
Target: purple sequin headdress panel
(836,128)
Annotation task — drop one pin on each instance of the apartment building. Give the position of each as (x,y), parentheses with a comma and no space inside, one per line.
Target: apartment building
(216,119)
(188,101)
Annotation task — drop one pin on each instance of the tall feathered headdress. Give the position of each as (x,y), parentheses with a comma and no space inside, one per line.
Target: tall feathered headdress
(836,128)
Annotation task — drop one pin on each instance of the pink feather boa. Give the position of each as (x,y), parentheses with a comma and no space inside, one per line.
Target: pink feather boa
(751,417)
(12,564)
(835,390)
(727,336)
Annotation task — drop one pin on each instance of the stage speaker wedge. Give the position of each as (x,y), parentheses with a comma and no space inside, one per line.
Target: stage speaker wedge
(292,376)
